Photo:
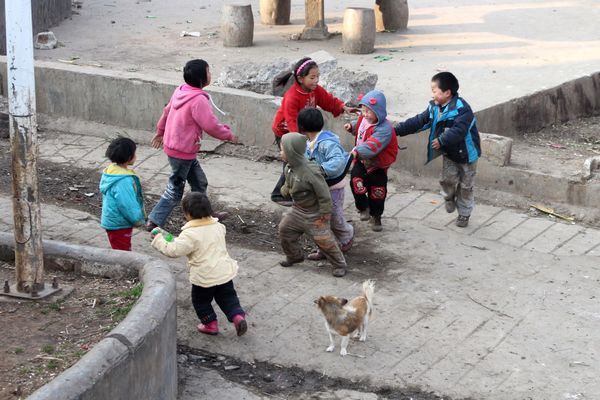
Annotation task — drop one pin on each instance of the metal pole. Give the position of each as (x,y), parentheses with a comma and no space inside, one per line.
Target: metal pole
(23,136)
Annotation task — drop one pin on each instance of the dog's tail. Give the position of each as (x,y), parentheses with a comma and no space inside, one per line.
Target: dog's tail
(368,290)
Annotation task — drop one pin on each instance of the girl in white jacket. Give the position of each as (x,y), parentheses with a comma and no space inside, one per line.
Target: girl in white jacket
(202,241)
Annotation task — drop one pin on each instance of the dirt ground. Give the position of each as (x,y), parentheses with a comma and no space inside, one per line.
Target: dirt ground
(559,149)
(285,382)
(43,338)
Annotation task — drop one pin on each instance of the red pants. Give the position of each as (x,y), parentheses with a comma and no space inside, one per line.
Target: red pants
(120,239)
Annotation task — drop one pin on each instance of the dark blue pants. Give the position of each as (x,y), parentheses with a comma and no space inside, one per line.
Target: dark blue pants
(181,171)
(224,295)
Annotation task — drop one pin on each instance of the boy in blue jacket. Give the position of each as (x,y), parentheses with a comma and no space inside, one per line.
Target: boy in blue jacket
(122,199)
(325,149)
(452,133)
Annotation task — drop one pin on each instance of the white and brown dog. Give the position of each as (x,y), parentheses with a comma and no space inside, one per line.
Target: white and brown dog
(343,317)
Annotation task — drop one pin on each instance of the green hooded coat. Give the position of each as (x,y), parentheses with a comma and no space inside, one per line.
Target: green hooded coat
(304,181)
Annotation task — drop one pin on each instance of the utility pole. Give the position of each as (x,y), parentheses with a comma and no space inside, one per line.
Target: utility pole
(29,259)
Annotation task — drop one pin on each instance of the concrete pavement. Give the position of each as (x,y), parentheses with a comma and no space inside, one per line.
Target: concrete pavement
(504,309)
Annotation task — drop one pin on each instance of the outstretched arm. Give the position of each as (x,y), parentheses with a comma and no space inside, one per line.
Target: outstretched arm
(414,124)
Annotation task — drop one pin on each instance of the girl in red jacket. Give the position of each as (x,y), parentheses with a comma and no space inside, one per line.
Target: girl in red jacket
(304,92)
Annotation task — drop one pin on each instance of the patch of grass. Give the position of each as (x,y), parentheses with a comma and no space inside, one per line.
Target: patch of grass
(56,306)
(18,350)
(48,349)
(52,364)
(24,370)
(120,309)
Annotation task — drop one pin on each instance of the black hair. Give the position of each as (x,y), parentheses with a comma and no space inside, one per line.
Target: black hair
(446,81)
(195,73)
(121,150)
(310,120)
(197,205)
(281,80)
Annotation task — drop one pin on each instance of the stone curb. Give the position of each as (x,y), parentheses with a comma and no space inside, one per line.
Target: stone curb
(138,358)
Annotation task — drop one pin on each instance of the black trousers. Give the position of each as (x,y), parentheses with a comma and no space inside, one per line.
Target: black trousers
(277,189)
(224,295)
(369,188)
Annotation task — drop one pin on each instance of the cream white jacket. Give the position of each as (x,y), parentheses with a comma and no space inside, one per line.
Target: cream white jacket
(202,241)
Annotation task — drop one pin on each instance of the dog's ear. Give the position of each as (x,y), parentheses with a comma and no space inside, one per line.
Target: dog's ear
(343,301)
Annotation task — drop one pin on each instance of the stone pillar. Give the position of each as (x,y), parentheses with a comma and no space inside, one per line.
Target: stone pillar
(315,28)
(237,25)
(275,12)
(391,15)
(358,30)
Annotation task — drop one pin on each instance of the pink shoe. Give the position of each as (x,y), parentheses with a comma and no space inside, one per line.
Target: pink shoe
(239,321)
(212,328)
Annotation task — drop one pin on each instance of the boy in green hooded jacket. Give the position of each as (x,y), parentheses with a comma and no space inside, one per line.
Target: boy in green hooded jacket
(311,209)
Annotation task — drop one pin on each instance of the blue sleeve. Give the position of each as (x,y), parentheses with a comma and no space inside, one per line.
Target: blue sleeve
(381,137)
(126,198)
(414,124)
(334,159)
(459,129)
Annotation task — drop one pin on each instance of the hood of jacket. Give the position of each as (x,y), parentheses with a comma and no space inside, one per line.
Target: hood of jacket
(185,93)
(113,174)
(375,100)
(294,146)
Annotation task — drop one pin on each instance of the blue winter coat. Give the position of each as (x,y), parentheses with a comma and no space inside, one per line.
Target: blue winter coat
(329,154)
(455,129)
(122,199)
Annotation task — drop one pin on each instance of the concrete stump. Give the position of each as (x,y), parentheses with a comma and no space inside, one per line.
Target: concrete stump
(314,20)
(275,12)
(358,30)
(237,25)
(391,15)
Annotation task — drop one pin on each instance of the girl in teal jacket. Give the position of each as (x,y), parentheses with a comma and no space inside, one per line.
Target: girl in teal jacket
(122,199)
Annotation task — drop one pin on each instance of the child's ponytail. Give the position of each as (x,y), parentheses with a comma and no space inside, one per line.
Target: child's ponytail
(300,69)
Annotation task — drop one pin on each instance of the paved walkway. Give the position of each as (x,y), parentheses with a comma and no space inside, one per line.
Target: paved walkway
(504,309)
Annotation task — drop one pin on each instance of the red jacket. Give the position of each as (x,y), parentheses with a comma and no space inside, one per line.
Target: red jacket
(296,99)
(380,144)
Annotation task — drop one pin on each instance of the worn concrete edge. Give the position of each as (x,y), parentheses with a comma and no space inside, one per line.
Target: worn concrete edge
(157,301)
(573,99)
(129,103)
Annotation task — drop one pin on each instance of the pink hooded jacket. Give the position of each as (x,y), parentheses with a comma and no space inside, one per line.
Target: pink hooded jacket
(189,114)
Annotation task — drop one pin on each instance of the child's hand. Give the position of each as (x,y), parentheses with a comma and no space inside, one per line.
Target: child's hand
(157,142)
(436,144)
(351,110)
(348,127)
(234,139)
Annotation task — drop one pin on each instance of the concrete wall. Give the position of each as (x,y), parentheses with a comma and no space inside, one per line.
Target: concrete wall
(131,101)
(45,14)
(571,100)
(138,358)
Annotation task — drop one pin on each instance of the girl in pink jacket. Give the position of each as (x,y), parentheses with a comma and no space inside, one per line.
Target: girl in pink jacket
(179,132)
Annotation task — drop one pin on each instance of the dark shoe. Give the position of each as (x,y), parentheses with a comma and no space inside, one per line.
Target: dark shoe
(316,256)
(345,247)
(364,215)
(288,262)
(220,215)
(150,226)
(375,223)
(281,200)
(241,326)
(462,221)
(338,272)
(450,206)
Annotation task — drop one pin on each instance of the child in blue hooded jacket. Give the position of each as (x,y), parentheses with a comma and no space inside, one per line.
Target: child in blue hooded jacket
(325,149)
(122,199)
(453,134)
(375,150)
